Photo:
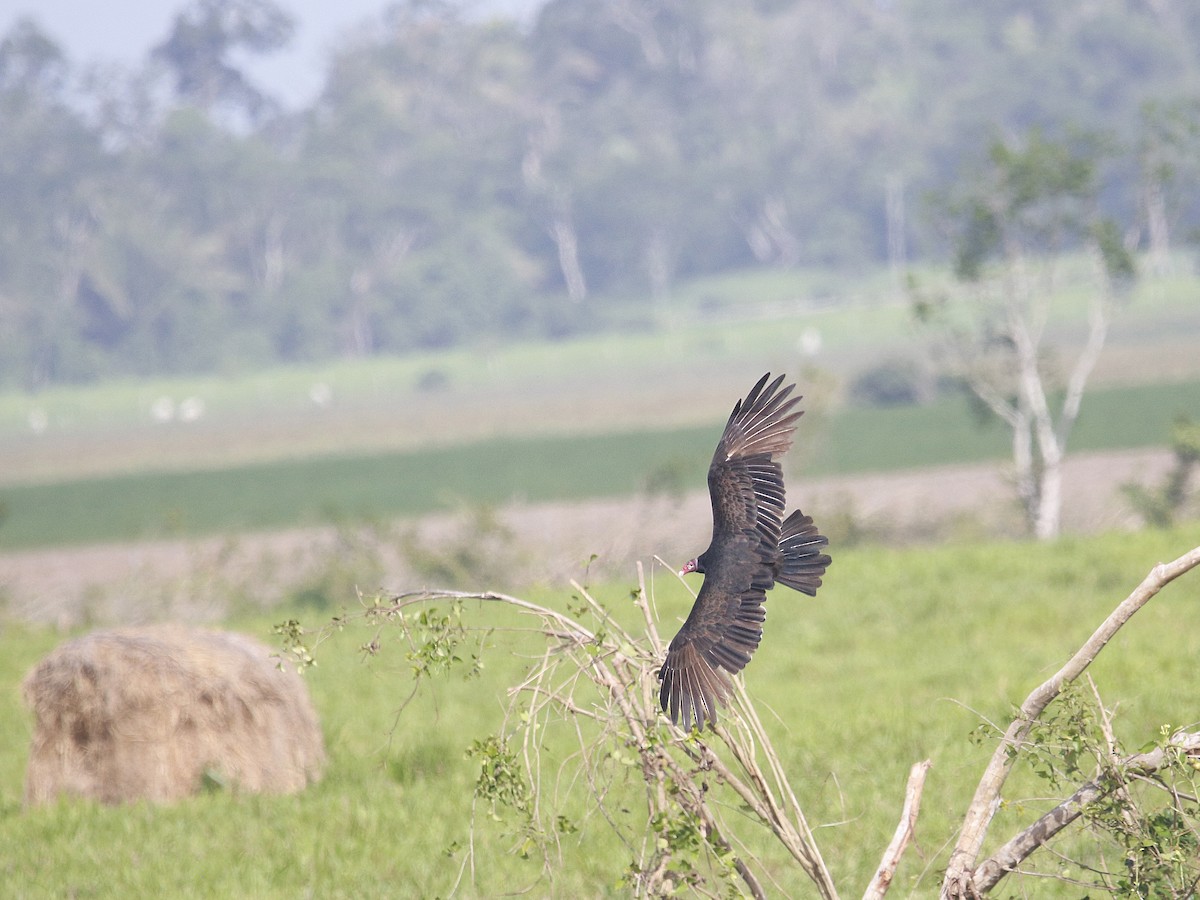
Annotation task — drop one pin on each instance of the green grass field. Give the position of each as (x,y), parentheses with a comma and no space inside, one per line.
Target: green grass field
(899,658)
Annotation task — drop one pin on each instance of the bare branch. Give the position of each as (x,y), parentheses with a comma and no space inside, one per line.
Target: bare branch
(960,877)
(882,879)
(1097,334)
(995,400)
(757,795)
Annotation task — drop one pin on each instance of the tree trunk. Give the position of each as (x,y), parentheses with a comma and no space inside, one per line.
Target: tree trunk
(774,217)
(1158,229)
(1047,522)
(1023,462)
(358,337)
(768,234)
(1052,440)
(562,232)
(554,201)
(272,254)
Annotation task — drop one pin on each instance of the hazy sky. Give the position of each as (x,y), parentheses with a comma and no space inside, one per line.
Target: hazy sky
(124,30)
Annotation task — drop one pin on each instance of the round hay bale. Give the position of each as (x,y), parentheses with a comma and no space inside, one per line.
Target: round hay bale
(149,713)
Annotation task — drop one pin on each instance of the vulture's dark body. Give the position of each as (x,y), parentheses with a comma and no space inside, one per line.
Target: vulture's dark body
(752,548)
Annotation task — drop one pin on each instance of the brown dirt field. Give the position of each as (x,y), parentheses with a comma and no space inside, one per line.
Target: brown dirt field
(205,579)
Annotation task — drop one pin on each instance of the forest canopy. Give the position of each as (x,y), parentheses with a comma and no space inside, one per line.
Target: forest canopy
(461,178)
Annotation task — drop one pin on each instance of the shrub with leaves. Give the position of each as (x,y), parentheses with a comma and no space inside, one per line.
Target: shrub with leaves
(1161,506)
(590,696)
(1140,810)
(481,548)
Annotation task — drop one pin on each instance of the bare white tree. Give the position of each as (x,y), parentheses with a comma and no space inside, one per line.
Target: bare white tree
(1021,226)
(1167,171)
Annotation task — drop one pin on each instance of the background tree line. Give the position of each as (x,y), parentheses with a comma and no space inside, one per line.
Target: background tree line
(461,179)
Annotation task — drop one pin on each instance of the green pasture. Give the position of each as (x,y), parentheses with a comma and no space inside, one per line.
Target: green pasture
(320,489)
(902,654)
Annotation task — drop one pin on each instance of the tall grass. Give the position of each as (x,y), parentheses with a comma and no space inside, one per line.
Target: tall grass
(899,658)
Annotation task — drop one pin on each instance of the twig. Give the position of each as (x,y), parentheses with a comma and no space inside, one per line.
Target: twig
(643,603)
(803,832)
(602,614)
(1111,761)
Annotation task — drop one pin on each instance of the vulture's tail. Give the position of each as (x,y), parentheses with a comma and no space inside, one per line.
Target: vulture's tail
(801,562)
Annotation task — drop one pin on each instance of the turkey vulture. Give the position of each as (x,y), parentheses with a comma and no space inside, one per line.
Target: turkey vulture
(752,548)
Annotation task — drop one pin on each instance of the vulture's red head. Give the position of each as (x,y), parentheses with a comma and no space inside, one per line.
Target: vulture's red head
(692,565)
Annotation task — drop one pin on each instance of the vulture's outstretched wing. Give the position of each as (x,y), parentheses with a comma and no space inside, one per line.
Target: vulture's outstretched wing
(743,561)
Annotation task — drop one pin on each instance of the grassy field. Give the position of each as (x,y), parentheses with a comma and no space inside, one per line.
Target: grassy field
(318,489)
(899,658)
(597,415)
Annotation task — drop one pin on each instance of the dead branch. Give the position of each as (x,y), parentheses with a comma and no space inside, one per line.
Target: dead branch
(882,879)
(756,793)
(960,880)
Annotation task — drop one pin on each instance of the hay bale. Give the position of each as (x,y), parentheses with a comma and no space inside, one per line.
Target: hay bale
(148,713)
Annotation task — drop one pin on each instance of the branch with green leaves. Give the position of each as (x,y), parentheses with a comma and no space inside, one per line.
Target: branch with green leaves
(963,874)
(594,680)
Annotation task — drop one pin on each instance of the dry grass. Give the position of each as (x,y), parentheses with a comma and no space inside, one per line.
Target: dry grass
(150,713)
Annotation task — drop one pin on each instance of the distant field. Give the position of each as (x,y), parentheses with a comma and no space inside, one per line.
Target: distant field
(320,489)
(899,658)
(678,369)
(598,415)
